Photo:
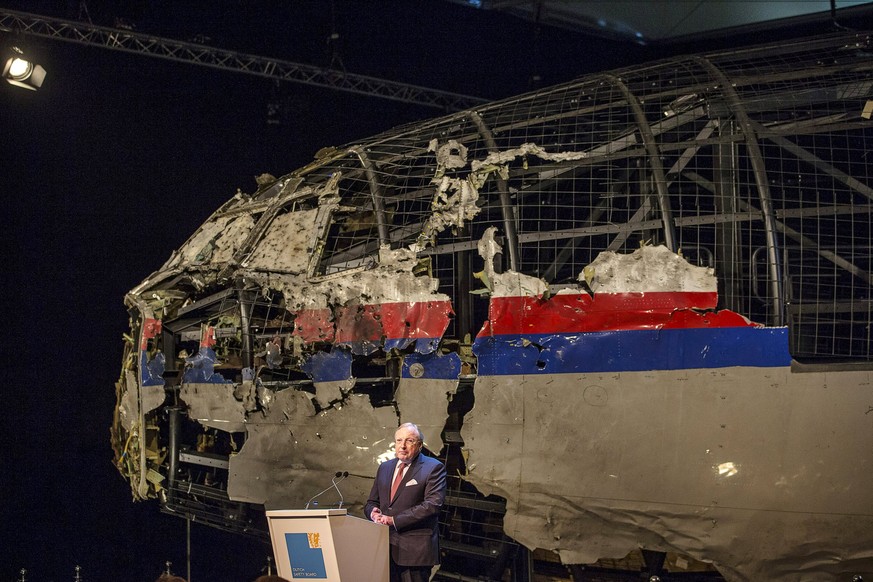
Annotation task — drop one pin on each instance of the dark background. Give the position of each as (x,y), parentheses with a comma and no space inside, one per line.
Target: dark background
(119,157)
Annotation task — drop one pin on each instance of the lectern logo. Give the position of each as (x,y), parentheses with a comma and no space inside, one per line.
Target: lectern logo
(306,556)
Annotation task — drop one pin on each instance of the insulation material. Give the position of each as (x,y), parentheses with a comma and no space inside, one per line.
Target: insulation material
(454,204)
(452,155)
(526,149)
(594,466)
(390,281)
(293,452)
(455,200)
(648,269)
(506,284)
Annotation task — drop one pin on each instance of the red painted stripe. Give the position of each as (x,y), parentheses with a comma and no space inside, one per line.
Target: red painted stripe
(570,313)
(580,313)
(208,340)
(314,325)
(150,329)
(423,319)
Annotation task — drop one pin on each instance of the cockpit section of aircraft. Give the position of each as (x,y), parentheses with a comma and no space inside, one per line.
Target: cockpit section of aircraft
(631,313)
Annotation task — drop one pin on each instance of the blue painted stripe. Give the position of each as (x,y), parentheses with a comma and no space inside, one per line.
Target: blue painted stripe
(333,366)
(432,366)
(200,368)
(151,371)
(632,351)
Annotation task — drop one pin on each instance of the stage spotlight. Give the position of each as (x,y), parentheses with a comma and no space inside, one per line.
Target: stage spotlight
(21,72)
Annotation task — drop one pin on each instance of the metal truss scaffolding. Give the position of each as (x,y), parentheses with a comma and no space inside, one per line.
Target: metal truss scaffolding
(198,54)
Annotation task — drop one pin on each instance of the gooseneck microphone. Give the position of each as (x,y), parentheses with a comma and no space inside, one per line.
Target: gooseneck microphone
(338,475)
(341,476)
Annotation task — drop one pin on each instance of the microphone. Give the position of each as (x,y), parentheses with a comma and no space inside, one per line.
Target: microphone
(333,483)
(341,476)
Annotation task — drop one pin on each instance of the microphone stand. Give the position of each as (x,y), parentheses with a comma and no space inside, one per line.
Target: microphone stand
(333,483)
(342,476)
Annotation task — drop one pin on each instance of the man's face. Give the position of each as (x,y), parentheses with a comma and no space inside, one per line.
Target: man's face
(406,444)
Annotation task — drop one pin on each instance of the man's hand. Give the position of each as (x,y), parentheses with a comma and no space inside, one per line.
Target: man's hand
(377,516)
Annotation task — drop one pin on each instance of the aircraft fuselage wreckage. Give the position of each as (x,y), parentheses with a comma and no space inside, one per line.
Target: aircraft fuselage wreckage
(630,312)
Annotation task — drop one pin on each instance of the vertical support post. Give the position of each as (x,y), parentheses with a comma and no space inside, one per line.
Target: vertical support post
(727,255)
(463,297)
(376,194)
(658,174)
(522,566)
(175,429)
(168,346)
(506,207)
(245,309)
(188,548)
(756,158)
(654,562)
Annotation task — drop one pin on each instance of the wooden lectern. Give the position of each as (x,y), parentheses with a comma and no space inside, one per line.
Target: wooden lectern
(328,544)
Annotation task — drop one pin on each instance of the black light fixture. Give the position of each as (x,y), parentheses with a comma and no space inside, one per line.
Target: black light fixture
(21,72)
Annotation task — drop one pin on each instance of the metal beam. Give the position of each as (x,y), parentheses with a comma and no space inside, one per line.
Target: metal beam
(807,242)
(759,170)
(827,167)
(754,213)
(506,207)
(197,54)
(655,164)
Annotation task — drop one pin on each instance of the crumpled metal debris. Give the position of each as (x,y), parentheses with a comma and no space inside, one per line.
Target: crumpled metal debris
(608,430)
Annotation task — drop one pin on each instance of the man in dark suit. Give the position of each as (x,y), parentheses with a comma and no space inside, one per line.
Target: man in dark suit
(407,496)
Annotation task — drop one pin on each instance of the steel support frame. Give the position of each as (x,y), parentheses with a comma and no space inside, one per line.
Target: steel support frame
(756,158)
(198,54)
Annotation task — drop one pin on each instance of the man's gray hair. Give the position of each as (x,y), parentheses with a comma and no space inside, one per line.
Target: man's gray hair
(414,427)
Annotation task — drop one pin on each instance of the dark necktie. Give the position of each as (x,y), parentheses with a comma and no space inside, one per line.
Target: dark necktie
(397,480)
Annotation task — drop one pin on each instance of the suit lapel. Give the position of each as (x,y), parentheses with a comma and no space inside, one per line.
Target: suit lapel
(389,474)
(413,468)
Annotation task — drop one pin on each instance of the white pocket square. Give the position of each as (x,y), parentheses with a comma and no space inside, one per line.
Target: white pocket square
(411,482)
